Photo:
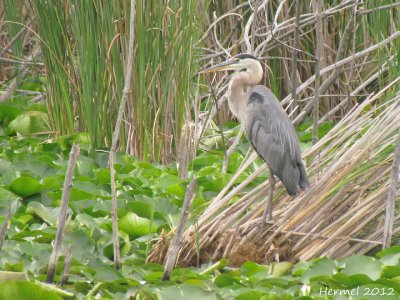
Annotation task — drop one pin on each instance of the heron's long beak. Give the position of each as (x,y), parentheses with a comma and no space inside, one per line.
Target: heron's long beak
(227,65)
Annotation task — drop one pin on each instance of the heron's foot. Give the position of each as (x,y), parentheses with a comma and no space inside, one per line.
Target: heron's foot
(266,220)
(267,216)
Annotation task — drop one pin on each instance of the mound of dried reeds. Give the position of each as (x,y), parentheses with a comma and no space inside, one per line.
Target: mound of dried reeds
(342,212)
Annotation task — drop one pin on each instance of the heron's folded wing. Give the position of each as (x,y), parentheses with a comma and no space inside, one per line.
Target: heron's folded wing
(269,129)
(267,144)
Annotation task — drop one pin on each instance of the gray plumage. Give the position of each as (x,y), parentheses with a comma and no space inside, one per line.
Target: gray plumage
(274,138)
(267,125)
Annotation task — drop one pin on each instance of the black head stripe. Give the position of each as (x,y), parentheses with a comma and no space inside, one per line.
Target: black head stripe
(245,55)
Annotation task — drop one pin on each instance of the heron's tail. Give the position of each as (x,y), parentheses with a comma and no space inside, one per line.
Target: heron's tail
(290,176)
(303,182)
(294,175)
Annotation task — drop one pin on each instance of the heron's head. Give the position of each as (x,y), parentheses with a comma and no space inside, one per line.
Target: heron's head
(242,63)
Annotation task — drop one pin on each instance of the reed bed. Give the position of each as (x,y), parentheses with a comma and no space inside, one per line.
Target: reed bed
(343,211)
(170,109)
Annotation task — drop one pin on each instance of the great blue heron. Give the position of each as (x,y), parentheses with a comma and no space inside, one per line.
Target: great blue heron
(267,125)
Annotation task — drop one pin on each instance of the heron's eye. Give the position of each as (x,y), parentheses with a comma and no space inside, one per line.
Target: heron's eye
(243,70)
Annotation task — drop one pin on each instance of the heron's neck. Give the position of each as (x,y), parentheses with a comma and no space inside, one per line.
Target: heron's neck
(238,95)
(239,89)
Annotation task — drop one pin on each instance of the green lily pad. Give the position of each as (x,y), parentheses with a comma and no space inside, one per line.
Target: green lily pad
(363,265)
(135,226)
(107,274)
(31,122)
(25,186)
(6,195)
(49,215)
(250,268)
(8,111)
(281,268)
(26,290)
(321,268)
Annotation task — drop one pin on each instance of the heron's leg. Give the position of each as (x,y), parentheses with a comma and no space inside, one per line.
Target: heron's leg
(268,210)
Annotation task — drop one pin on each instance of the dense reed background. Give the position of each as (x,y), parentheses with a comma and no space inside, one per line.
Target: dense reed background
(83,45)
(77,49)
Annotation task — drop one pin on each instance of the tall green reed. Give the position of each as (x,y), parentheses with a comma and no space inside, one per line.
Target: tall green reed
(84,47)
(13,13)
(53,28)
(163,75)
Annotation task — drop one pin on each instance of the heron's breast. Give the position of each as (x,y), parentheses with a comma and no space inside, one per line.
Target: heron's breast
(238,99)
